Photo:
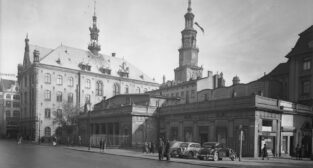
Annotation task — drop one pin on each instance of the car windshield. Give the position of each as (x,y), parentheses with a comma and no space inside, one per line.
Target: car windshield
(209,145)
(175,144)
(183,145)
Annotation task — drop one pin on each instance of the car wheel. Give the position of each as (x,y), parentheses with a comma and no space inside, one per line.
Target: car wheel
(215,157)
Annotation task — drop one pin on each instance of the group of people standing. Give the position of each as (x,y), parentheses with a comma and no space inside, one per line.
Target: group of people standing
(149,147)
(164,149)
(102,144)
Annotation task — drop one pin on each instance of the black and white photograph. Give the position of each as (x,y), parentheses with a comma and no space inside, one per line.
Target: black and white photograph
(156,83)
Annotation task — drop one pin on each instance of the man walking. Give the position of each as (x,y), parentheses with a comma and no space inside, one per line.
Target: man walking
(160,149)
(264,151)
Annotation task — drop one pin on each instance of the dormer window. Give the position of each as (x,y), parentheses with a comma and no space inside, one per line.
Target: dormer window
(105,71)
(58,61)
(83,66)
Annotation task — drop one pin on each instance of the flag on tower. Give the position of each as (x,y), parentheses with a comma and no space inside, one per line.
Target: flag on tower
(201,28)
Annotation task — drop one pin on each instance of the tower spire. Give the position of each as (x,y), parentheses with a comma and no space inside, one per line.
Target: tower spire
(189,6)
(94,46)
(26,60)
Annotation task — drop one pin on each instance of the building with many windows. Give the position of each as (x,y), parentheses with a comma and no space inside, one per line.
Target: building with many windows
(9,107)
(49,79)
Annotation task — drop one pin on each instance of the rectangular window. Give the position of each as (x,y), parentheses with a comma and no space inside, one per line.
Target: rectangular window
(59,80)
(47,95)
(267,125)
(306,87)
(70,98)
(87,98)
(59,113)
(88,84)
(8,104)
(47,78)
(47,113)
(70,81)
(16,97)
(306,64)
(8,113)
(16,104)
(59,96)
(16,113)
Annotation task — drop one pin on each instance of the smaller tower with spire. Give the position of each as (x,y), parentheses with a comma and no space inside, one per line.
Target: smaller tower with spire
(26,60)
(94,46)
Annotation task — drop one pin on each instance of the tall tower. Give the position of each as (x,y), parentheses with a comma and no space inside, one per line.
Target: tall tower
(94,46)
(188,53)
(26,60)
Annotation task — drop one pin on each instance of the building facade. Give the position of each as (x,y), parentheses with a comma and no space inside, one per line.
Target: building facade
(50,79)
(9,107)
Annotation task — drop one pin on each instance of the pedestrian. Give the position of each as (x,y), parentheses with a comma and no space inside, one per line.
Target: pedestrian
(54,141)
(149,147)
(160,148)
(100,144)
(20,140)
(167,149)
(298,151)
(264,151)
(79,140)
(146,150)
(103,144)
(302,152)
(152,148)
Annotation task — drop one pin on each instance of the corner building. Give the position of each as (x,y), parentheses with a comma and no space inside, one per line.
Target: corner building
(50,78)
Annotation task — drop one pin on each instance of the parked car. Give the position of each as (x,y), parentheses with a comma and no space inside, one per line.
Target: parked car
(175,150)
(215,151)
(186,150)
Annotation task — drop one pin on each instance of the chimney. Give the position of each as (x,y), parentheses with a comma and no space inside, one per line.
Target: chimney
(113,54)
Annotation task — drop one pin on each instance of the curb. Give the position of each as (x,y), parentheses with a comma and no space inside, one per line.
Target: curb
(142,157)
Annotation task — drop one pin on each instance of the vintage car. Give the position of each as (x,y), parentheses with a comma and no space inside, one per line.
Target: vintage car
(215,151)
(186,150)
(175,150)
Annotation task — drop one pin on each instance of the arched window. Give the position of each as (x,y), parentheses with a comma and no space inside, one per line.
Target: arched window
(116,89)
(47,78)
(59,80)
(88,83)
(126,89)
(138,90)
(99,88)
(70,81)
(47,132)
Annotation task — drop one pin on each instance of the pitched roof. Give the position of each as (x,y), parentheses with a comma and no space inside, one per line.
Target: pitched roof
(304,44)
(70,57)
(6,84)
(280,69)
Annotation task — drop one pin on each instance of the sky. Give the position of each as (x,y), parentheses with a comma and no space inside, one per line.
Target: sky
(242,37)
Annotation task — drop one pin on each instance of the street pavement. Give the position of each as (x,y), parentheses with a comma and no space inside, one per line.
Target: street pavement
(28,155)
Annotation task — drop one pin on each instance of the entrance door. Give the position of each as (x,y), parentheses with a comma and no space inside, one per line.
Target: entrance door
(270,145)
(291,148)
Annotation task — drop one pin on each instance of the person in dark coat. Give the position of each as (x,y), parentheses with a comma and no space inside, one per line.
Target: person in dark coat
(167,149)
(160,149)
(101,144)
(152,148)
(264,151)
(298,152)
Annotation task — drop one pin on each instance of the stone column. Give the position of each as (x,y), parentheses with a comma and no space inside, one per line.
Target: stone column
(212,135)
(180,131)
(195,132)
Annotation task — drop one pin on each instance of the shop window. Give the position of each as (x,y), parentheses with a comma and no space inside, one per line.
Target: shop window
(267,125)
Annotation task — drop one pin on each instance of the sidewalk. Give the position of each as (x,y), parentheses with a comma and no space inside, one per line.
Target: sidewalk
(246,162)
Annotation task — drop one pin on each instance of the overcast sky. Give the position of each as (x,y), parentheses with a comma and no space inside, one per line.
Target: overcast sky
(242,37)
